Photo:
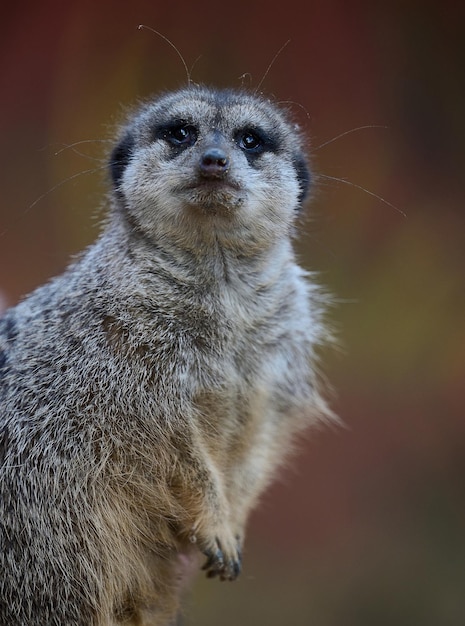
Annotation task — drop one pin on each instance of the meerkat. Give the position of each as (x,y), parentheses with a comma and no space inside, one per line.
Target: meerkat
(150,392)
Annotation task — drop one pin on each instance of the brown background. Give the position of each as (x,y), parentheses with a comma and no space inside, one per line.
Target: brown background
(367,525)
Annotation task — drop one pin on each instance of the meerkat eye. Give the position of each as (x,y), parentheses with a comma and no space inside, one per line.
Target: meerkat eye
(180,134)
(255,141)
(250,141)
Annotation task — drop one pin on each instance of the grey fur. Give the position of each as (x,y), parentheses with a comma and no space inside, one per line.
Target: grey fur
(148,394)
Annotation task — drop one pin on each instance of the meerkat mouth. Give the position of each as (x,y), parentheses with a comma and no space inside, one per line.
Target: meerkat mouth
(214,196)
(214,184)
(215,204)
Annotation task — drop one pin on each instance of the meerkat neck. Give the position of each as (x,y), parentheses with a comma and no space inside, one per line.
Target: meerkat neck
(197,259)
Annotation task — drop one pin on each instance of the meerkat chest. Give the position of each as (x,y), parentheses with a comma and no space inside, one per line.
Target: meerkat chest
(244,378)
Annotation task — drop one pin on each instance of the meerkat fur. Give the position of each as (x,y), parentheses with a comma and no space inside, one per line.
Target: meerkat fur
(150,392)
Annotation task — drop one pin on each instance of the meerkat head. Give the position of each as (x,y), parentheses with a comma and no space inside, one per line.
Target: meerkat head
(226,163)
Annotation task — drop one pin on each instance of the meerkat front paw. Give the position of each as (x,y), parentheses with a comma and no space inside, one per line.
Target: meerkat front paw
(224,559)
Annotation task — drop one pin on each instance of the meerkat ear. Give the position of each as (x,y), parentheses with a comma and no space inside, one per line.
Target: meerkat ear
(303,176)
(120,158)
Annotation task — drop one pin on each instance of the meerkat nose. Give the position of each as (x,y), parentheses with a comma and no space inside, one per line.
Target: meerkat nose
(214,163)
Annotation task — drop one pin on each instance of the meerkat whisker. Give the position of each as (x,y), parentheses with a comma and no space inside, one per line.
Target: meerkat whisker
(68,179)
(364,189)
(168,41)
(348,132)
(81,142)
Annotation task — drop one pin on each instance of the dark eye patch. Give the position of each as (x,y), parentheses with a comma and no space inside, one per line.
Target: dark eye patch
(254,141)
(178,133)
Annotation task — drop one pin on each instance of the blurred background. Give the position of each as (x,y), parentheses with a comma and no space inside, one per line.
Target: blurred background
(367,525)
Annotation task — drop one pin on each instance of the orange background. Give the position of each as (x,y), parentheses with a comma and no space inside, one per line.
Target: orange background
(367,526)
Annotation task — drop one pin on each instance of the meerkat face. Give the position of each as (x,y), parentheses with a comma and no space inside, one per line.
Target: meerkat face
(226,160)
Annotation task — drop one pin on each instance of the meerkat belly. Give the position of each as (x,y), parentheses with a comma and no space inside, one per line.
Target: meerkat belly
(246,426)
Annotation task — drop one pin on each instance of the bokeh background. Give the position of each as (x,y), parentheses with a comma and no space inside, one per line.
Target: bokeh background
(367,525)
